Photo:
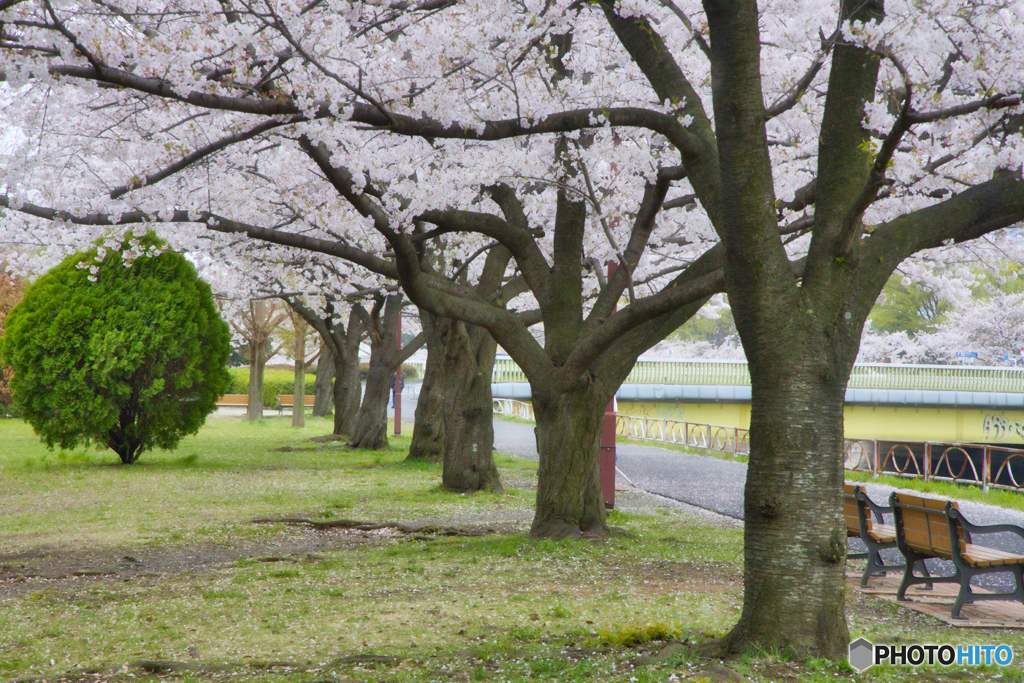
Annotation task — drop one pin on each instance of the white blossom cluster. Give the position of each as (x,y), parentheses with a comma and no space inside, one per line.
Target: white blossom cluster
(207,74)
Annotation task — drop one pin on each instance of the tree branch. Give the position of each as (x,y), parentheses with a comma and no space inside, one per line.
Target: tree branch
(216,223)
(199,154)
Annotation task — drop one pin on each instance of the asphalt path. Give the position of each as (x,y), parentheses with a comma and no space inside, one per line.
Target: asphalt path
(717,485)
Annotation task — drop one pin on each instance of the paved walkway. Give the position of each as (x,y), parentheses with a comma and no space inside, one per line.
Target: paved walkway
(717,485)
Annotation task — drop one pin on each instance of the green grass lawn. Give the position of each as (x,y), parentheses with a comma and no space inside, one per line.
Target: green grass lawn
(103,566)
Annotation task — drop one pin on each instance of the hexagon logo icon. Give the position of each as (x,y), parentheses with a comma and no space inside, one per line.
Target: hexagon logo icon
(862,654)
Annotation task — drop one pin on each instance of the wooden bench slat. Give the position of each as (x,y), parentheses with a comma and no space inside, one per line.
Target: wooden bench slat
(883,533)
(926,530)
(981,556)
(850,513)
(286,400)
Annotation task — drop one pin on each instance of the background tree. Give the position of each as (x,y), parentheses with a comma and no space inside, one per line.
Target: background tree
(255,322)
(454,412)
(323,399)
(341,341)
(299,333)
(381,323)
(122,345)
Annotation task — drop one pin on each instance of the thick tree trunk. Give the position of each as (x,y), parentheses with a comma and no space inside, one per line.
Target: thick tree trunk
(372,422)
(469,425)
(795,540)
(371,429)
(257,363)
(323,401)
(569,500)
(347,415)
(346,390)
(124,440)
(454,416)
(428,434)
(344,396)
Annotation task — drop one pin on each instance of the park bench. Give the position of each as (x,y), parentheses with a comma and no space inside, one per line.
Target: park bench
(864,520)
(928,527)
(233,400)
(286,401)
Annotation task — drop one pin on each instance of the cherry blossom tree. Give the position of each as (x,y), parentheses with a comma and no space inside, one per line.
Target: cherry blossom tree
(793,154)
(300,335)
(255,322)
(970,302)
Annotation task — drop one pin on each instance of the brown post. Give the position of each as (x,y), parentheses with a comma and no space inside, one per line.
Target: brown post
(607,460)
(398,381)
(986,469)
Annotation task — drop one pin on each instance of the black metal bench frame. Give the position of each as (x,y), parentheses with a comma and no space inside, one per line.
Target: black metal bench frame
(866,508)
(959,528)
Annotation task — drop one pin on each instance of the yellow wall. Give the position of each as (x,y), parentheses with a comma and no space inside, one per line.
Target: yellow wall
(869,422)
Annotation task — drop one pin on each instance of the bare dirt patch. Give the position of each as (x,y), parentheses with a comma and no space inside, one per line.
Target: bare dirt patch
(303,541)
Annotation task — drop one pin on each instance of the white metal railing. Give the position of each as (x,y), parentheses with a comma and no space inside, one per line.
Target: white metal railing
(692,434)
(695,435)
(981,465)
(866,376)
(512,408)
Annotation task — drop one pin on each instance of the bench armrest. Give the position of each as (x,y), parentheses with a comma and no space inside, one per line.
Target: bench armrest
(876,509)
(954,513)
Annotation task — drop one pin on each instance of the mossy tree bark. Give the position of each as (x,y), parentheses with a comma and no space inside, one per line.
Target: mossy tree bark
(454,413)
(370,431)
(569,500)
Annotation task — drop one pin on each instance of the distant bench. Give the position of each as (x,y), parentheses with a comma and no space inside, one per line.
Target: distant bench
(233,400)
(286,401)
(925,528)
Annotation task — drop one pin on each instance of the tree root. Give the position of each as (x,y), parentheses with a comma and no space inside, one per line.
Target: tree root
(422,530)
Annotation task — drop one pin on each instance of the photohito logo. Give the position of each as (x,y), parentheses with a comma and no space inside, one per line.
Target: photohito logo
(865,654)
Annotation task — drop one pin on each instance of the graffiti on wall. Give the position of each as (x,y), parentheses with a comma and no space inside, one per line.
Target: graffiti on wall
(999,427)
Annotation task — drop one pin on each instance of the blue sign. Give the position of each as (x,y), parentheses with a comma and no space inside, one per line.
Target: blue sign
(966,354)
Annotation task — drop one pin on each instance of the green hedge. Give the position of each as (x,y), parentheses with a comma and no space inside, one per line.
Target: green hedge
(275,382)
(408,372)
